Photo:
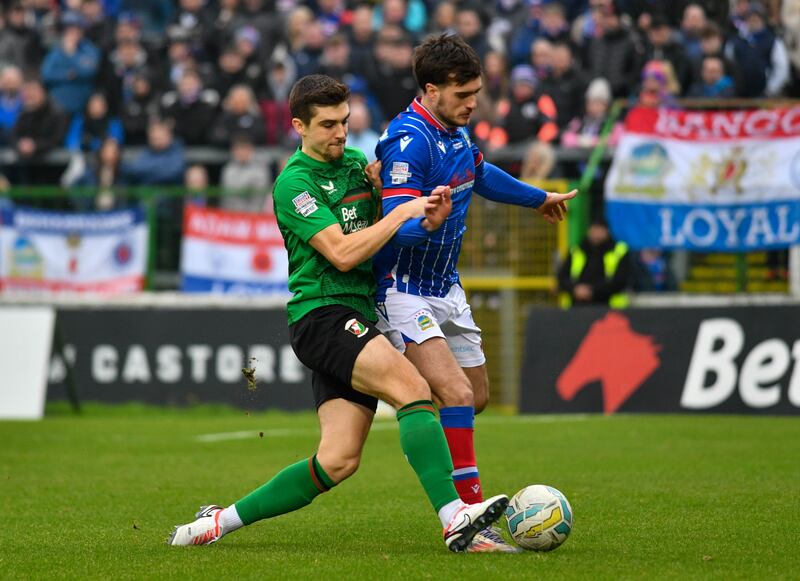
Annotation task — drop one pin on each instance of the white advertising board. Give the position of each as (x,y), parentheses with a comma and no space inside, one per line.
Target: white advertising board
(26,337)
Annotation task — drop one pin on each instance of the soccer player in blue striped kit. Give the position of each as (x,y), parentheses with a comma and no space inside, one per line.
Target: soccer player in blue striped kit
(421,306)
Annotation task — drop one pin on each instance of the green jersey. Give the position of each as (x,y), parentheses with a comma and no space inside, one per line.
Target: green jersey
(309,196)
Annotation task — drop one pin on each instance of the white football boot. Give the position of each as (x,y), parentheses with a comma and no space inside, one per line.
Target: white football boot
(472,518)
(203,531)
(490,540)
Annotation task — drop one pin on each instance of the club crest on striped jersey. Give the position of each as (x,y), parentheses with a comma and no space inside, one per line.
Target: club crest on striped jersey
(356,328)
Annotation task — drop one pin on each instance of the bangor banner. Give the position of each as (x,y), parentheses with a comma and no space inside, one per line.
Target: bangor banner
(232,252)
(42,250)
(707,181)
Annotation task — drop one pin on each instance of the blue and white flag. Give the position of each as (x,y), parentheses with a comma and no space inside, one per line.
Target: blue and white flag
(42,250)
(707,181)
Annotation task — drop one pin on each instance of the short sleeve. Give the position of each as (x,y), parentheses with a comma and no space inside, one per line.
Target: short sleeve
(299,210)
(404,157)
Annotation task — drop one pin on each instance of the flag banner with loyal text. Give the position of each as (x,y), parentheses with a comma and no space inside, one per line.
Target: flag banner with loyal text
(49,251)
(707,181)
(232,252)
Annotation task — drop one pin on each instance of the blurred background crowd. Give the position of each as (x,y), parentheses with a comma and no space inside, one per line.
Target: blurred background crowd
(99,78)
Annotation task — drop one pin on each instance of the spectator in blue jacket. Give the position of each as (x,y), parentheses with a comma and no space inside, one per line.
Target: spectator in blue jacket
(525,34)
(10,101)
(713,83)
(89,130)
(760,55)
(162,162)
(70,68)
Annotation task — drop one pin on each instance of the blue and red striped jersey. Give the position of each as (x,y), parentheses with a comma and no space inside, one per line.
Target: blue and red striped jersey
(417,154)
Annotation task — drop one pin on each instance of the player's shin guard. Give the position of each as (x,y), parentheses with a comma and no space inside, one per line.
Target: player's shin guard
(293,487)
(458,423)
(425,448)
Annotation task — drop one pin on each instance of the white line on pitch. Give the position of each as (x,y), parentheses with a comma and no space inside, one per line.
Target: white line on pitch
(380,426)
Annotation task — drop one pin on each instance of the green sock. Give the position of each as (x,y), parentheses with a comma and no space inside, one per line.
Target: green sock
(293,487)
(425,447)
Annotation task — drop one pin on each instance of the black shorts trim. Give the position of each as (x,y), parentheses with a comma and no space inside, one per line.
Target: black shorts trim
(328,340)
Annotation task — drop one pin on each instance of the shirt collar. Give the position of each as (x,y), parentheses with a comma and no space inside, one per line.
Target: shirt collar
(421,110)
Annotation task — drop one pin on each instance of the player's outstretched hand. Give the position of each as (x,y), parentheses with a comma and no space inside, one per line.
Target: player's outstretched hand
(373,171)
(554,207)
(437,208)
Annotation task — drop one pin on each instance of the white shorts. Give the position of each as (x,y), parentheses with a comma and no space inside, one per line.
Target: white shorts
(404,318)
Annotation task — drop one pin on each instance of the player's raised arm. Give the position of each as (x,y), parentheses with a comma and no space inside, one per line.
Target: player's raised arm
(346,251)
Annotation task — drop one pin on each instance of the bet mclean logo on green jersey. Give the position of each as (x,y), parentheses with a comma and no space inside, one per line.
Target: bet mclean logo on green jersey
(351,222)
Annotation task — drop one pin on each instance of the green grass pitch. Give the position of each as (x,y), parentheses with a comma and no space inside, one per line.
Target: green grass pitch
(655,497)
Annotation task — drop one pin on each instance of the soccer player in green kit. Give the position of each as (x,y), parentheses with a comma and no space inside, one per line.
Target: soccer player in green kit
(327,211)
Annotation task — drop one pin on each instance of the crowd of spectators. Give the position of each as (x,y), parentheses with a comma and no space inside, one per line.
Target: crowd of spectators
(98,76)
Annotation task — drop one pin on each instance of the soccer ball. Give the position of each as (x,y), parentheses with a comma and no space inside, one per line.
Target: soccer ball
(539,518)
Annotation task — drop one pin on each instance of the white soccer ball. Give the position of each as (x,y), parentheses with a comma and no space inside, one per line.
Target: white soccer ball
(539,518)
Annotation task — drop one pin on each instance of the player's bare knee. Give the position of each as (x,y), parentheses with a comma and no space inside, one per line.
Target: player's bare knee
(481,401)
(340,467)
(456,393)
(346,468)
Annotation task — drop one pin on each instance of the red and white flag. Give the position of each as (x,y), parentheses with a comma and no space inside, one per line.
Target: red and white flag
(232,252)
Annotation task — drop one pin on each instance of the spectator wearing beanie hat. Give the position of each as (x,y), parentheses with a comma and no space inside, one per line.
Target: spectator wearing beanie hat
(584,131)
(659,87)
(760,55)
(530,113)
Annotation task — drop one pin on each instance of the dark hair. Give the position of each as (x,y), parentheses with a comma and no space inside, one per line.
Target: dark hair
(313,90)
(659,20)
(445,59)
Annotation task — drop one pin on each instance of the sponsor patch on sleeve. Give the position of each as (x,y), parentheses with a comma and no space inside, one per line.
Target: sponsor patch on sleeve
(304,204)
(399,172)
